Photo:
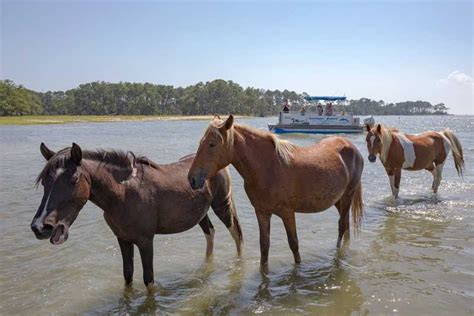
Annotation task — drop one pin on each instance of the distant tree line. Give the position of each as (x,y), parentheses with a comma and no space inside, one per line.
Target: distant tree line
(366,106)
(218,96)
(16,100)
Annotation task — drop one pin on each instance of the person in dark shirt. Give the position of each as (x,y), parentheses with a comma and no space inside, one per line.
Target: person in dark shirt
(320,109)
(285,108)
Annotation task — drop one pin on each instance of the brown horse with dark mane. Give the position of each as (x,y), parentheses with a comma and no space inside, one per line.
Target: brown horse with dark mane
(139,198)
(428,150)
(281,178)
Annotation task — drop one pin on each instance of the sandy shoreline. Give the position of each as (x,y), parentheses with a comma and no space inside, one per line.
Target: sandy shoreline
(65,119)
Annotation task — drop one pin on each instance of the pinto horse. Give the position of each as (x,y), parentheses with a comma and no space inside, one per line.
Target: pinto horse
(281,178)
(427,150)
(139,198)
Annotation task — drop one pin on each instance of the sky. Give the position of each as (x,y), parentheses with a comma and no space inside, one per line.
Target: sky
(392,51)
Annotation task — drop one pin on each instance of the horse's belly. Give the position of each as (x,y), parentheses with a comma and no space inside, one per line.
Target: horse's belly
(178,220)
(317,205)
(310,195)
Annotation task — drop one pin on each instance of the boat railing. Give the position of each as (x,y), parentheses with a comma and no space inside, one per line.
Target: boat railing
(312,112)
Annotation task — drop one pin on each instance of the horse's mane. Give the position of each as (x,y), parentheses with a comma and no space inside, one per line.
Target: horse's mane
(116,158)
(283,148)
(386,140)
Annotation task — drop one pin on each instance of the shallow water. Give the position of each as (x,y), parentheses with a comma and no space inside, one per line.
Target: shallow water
(413,256)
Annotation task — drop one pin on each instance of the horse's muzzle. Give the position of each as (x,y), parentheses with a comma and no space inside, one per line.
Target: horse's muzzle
(197,181)
(372,158)
(44,232)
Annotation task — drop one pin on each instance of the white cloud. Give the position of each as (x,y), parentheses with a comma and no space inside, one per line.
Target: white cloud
(459,78)
(457,92)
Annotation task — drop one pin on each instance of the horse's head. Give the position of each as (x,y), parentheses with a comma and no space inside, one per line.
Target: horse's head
(66,191)
(374,141)
(214,152)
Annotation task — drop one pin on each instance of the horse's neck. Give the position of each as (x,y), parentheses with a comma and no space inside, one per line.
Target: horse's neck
(105,191)
(251,153)
(392,146)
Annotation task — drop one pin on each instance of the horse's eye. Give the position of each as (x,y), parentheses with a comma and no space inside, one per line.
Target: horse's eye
(212,145)
(74,179)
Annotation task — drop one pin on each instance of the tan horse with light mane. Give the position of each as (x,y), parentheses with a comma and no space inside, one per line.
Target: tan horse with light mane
(281,178)
(427,150)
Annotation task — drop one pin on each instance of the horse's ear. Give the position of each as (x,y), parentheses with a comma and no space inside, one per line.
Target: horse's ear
(228,123)
(379,128)
(76,154)
(216,116)
(367,127)
(46,152)
(133,163)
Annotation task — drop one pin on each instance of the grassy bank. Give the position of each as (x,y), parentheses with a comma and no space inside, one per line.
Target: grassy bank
(64,119)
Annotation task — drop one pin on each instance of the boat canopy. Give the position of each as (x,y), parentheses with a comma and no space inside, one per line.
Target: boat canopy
(324,98)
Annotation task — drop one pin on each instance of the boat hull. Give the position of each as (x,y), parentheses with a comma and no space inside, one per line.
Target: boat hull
(314,129)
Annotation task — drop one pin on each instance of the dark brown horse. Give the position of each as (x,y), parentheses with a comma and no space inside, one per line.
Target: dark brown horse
(281,178)
(428,150)
(139,198)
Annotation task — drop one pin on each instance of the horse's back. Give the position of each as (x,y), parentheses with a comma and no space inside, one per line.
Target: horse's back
(176,207)
(330,152)
(429,147)
(320,174)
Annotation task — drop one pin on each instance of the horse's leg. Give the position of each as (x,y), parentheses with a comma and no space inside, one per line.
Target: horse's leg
(225,210)
(396,183)
(290,226)
(391,178)
(394,176)
(439,176)
(208,230)
(431,168)
(343,206)
(264,220)
(146,253)
(126,247)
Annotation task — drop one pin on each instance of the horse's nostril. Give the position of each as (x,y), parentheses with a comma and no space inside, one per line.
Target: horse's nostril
(47,227)
(42,231)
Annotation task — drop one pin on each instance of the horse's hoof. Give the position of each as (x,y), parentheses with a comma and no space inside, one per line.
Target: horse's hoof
(264,268)
(151,288)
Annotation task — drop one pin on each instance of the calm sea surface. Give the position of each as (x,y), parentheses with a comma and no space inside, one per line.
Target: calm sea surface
(414,255)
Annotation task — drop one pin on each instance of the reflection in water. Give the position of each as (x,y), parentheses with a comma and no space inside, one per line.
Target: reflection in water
(411,220)
(323,287)
(226,298)
(412,228)
(167,296)
(128,305)
(327,288)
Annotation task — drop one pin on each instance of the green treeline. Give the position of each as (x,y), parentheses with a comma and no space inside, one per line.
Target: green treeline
(16,100)
(366,106)
(218,96)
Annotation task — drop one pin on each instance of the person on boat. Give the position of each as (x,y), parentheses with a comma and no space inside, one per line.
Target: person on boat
(286,109)
(320,109)
(329,109)
(303,110)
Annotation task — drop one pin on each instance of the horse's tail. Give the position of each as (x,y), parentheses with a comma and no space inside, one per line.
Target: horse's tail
(357,207)
(456,148)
